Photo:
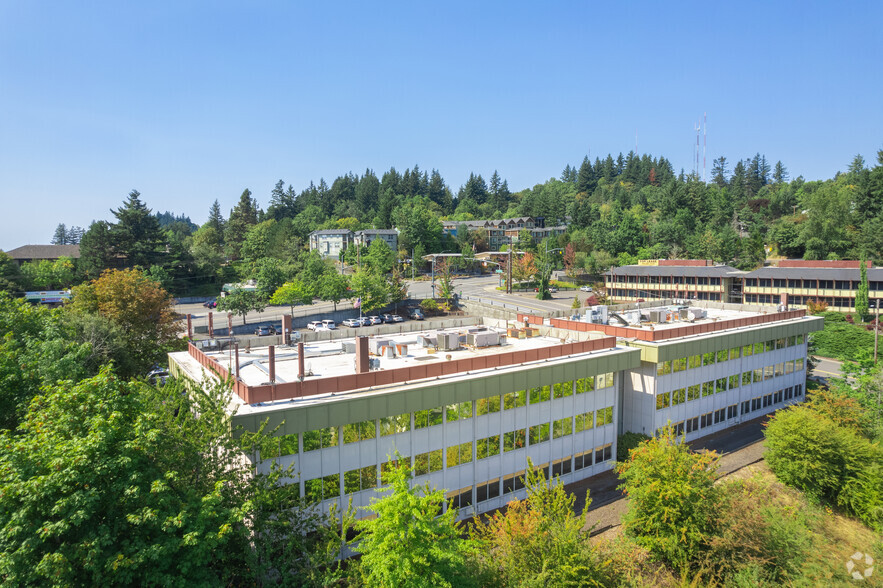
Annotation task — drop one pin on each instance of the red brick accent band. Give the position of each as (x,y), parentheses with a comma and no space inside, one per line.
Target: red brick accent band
(823,263)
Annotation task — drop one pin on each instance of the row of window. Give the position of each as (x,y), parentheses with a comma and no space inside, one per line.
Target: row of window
(689,280)
(730,412)
(809,284)
(694,392)
(366,430)
(839,302)
(694,361)
(622,293)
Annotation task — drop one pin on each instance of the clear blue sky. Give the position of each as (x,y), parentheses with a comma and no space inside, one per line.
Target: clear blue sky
(189,101)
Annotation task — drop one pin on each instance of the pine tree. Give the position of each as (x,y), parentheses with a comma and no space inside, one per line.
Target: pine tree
(137,235)
(861,295)
(719,171)
(216,219)
(780,173)
(60,235)
(243,216)
(586,179)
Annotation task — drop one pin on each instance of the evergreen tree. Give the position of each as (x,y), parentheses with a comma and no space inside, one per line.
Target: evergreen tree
(367,192)
(780,173)
(75,235)
(243,216)
(283,203)
(136,235)
(586,180)
(60,235)
(861,295)
(437,191)
(719,171)
(216,219)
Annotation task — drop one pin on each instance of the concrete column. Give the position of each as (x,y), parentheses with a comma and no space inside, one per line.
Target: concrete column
(236,359)
(362,360)
(211,325)
(784,300)
(272,366)
(300,360)
(189,326)
(286,328)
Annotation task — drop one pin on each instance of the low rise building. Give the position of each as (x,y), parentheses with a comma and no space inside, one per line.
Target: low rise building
(505,231)
(330,242)
(43,253)
(388,236)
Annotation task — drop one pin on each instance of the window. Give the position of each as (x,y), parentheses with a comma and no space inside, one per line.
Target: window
(789,366)
(584,422)
(426,463)
(734,381)
(789,393)
(792,341)
(778,397)
(746,378)
(734,352)
(780,369)
(539,394)
(562,389)
(662,401)
(320,439)
(720,415)
(487,490)
(487,447)
(487,405)
(679,365)
(721,385)
(678,428)
(604,380)
(603,453)
(360,479)
(708,358)
(427,418)
(561,467)
(514,400)
(799,339)
(695,361)
(758,348)
(798,365)
(678,396)
(562,427)
(723,355)
(460,498)
(732,411)
(781,343)
(585,385)
(455,412)
(693,392)
(514,440)
(395,424)
(513,482)
(692,424)
(798,390)
(604,416)
(279,446)
(387,466)
(755,403)
(767,400)
(705,420)
(358,431)
(538,434)
(708,388)
(768,372)
(758,375)
(582,460)
(459,454)
(769,345)
(319,489)
(746,407)
(747,350)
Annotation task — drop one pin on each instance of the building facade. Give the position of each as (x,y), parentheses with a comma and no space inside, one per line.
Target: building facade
(330,242)
(388,236)
(505,231)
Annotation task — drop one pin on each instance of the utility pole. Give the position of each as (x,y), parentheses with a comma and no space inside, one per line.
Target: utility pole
(509,270)
(876,304)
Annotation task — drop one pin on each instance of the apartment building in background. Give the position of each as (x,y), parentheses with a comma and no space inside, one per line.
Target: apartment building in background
(503,231)
(330,242)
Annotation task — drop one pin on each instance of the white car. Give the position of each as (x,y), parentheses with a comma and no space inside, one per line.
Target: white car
(329,324)
(314,325)
(585,288)
(353,322)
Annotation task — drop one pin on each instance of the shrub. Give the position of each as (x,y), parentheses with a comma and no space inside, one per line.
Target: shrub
(429,305)
(626,442)
(835,463)
(672,497)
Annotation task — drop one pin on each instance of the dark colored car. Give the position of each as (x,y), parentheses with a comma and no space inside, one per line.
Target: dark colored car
(264,331)
(211,303)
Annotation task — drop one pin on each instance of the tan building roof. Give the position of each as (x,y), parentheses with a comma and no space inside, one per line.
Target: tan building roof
(38,252)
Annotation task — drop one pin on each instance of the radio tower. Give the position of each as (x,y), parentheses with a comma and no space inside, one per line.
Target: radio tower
(697,128)
(704,144)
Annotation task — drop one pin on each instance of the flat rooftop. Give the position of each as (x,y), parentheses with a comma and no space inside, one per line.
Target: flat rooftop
(330,366)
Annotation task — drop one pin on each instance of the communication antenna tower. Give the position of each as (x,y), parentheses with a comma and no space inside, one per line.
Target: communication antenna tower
(704,144)
(698,127)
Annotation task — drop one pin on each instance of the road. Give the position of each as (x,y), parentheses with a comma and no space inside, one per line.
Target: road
(828,368)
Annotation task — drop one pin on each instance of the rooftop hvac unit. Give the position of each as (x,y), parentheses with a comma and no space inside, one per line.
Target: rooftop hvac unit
(374,345)
(696,314)
(349,346)
(597,315)
(427,341)
(485,339)
(448,341)
(373,363)
(657,316)
(683,313)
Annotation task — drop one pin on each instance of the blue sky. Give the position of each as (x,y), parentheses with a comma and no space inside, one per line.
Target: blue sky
(191,101)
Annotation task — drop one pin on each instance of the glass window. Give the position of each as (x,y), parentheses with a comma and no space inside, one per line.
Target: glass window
(781,343)
(768,372)
(455,412)
(395,424)
(459,454)
(562,389)
(721,385)
(734,381)
(758,348)
(361,431)
(780,369)
(277,446)
(708,388)
(487,447)
(603,453)
(723,355)
(539,433)
(320,439)
(514,440)
(695,361)
(708,358)
(679,396)
(562,427)
(582,460)
(662,401)
(758,375)
(769,345)
(734,352)
(514,399)
(679,364)
(487,405)
(746,378)
(387,466)
(360,479)
(604,416)
(663,368)
(604,380)
(584,422)
(585,385)
(693,392)
(323,488)
(798,365)
(789,366)
(747,350)
(539,394)
(799,339)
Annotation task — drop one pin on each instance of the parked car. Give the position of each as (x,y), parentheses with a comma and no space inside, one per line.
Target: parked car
(353,323)
(416,314)
(375,320)
(210,303)
(364,321)
(386,318)
(397,319)
(553,289)
(314,325)
(321,329)
(585,288)
(264,331)
(329,324)
(158,375)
